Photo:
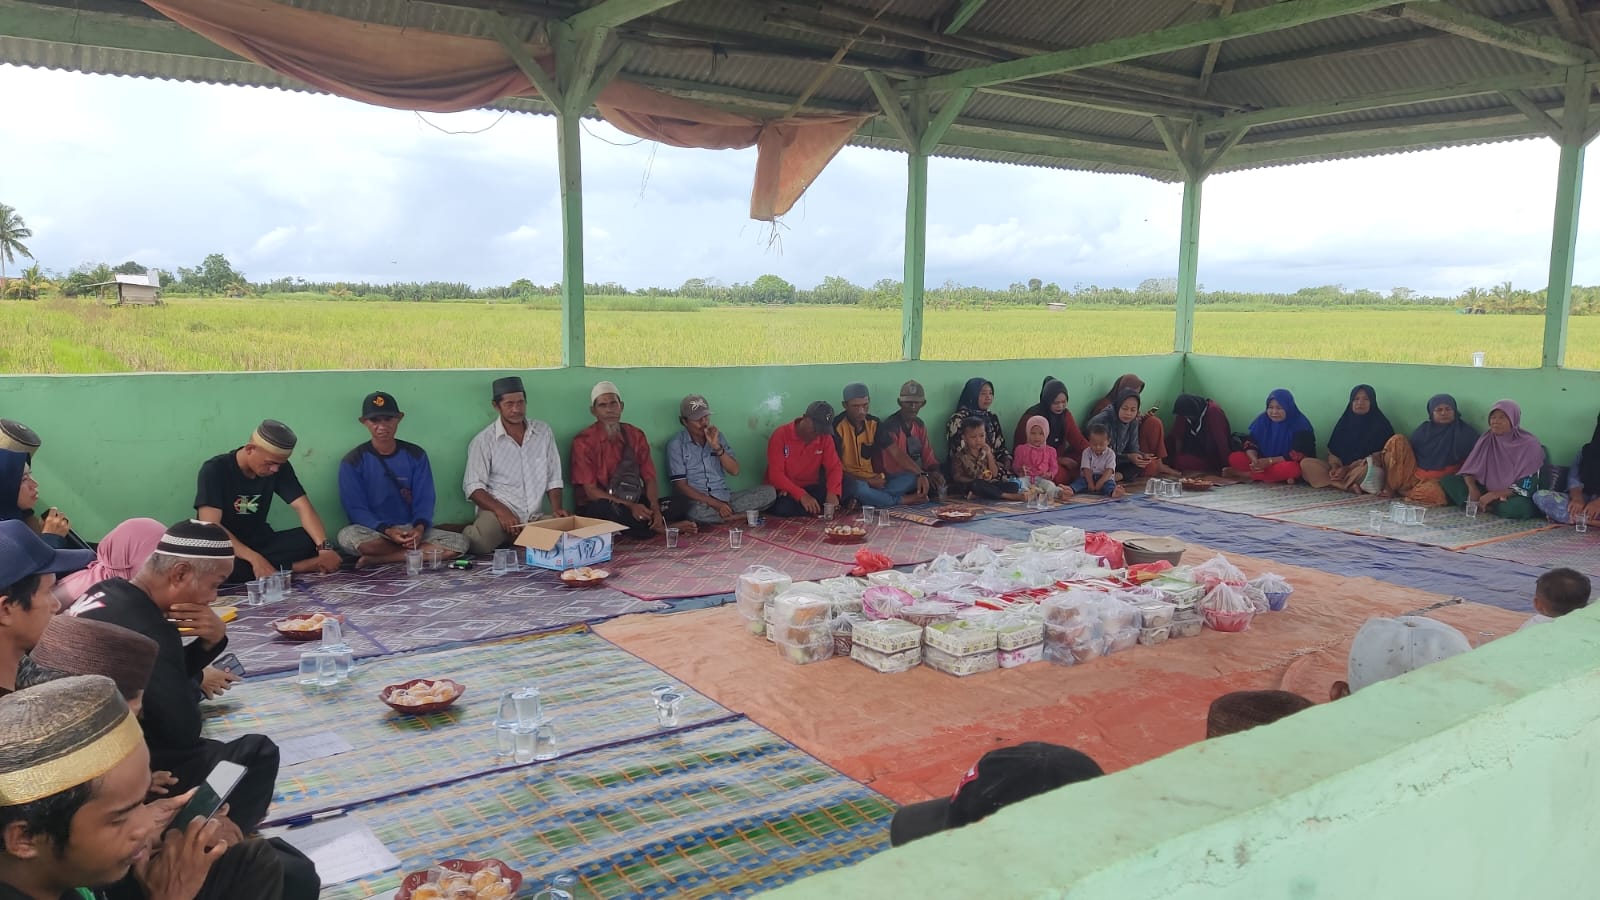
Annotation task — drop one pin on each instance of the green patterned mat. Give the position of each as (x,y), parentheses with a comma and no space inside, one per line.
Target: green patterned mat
(1561,546)
(1257,499)
(596,693)
(1444,526)
(724,810)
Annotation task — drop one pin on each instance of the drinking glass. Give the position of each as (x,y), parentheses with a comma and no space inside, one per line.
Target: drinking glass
(327,673)
(869,514)
(660,689)
(672,538)
(255,593)
(505,725)
(1580,523)
(828,510)
(1375,521)
(272,588)
(1152,487)
(560,888)
(667,709)
(502,562)
(332,633)
(752,517)
(433,559)
(413,562)
(544,741)
(310,663)
(524,742)
(883,517)
(529,706)
(735,538)
(1472,509)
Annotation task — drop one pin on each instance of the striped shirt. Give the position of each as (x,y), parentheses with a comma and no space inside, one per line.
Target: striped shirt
(518,475)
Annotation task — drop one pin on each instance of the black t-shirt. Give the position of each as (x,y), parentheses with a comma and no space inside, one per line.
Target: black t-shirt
(171,717)
(244,501)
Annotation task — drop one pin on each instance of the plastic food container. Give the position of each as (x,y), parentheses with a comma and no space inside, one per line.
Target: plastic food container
(800,608)
(1186,623)
(887,636)
(1020,656)
(1017,635)
(960,638)
(1071,634)
(928,612)
(1156,614)
(1122,639)
(1150,636)
(879,661)
(1057,537)
(801,653)
(762,584)
(960,666)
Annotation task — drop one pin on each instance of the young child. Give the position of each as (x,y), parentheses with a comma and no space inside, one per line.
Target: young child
(974,471)
(1035,461)
(1556,593)
(1098,474)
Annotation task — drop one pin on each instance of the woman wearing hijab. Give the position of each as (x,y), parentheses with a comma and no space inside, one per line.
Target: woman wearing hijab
(1152,434)
(1065,437)
(1359,433)
(18,494)
(1280,438)
(1201,438)
(976,398)
(1502,471)
(122,553)
(1583,487)
(1413,466)
(1121,419)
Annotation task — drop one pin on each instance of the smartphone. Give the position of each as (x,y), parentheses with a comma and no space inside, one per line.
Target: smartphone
(210,795)
(229,662)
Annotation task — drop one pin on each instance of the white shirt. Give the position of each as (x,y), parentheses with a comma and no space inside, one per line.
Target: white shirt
(1535,619)
(518,475)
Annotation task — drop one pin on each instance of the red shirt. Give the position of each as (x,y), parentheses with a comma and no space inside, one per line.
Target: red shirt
(595,458)
(794,465)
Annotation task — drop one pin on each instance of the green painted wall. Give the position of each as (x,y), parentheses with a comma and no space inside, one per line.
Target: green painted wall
(1558,405)
(117,446)
(1471,780)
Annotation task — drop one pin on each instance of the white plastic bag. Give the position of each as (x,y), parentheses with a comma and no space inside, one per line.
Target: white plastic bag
(1218,570)
(1276,589)
(884,602)
(1225,608)
(979,558)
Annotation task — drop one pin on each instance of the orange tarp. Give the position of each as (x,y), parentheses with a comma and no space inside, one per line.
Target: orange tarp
(416,69)
(912,735)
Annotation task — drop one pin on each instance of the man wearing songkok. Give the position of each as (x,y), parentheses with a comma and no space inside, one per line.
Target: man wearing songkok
(699,461)
(512,468)
(175,590)
(236,490)
(386,486)
(73,777)
(612,473)
(28,569)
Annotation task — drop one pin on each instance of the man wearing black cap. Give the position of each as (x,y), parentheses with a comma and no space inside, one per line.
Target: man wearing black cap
(28,570)
(1002,777)
(803,464)
(386,486)
(903,445)
(236,490)
(512,468)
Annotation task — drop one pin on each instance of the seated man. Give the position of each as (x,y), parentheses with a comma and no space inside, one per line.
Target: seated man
(803,465)
(386,486)
(612,472)
(903,445)
(512,467)
(74,774)
(855,436)
(1389,648)
(1243,710)
(1000,778)
(175,589)
(236,490)
(28,569)
(699,461)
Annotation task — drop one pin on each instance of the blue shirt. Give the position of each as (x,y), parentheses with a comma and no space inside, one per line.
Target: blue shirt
(695,464)
(379,492)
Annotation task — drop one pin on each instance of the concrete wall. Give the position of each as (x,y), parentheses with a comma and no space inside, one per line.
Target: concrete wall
(117,446)
(1473,779)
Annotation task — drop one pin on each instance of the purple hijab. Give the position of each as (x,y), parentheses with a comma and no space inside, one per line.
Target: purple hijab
(1499,461)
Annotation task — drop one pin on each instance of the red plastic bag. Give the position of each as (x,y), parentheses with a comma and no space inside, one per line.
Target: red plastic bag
(868,561)
(1143,572)
(1098,543)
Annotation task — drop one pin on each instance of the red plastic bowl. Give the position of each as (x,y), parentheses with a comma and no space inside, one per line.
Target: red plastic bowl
(314,634)
(464,866)
(1227,621)
(425,707)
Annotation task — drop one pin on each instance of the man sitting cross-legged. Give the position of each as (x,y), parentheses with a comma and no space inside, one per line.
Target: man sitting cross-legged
(386,486)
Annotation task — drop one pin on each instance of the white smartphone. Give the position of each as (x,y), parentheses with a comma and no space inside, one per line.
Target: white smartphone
(210,794)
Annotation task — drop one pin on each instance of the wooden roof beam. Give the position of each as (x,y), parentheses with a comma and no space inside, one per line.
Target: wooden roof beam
(1484,30)
(1523,104)
(1276,17)
(1572,24)
(963,14)
(611,13)
(1213,50)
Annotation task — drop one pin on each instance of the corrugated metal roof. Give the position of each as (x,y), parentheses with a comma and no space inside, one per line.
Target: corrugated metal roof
(756,55)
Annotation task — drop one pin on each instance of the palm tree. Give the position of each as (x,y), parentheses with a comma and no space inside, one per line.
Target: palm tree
(13,231)
(31,283)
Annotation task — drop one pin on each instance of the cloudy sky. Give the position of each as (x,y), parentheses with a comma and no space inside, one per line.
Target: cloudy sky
(110,169)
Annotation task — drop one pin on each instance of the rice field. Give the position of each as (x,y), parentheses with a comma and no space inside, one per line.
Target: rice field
(63,336)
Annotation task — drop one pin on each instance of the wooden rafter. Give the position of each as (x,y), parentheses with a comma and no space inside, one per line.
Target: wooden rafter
(1574,27)
(1213,50)
(1484,30)
(611,13)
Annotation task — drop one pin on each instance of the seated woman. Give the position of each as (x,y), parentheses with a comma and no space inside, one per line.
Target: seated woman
(1201,438)
(1583,487)
(976,398)
(1359,433)
(1280,438)
(1121,420)
(18,494)
(1413,466)
(1502,471)
(1065,437)
(1152,434)
(121,553)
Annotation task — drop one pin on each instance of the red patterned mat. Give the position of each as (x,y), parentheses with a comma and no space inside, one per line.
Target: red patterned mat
(904,542)
(704,564)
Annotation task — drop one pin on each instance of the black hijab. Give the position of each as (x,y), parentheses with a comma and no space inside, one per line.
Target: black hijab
(1058,422)
(1359,436)
(1193,408)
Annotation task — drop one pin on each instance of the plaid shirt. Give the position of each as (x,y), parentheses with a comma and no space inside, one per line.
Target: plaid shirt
(518,475)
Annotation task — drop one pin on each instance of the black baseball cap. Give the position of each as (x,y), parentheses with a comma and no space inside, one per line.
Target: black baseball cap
(1002,777)
(820,412)
(379,405)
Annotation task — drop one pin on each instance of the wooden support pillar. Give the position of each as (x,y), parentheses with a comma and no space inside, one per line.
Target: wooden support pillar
(569,161)
(1564,232)
(1188,264)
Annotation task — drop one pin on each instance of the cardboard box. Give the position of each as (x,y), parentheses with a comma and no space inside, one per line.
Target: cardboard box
(567,543)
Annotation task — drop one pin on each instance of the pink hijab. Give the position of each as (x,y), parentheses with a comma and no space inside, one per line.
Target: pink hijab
(1498,461)
(121,554)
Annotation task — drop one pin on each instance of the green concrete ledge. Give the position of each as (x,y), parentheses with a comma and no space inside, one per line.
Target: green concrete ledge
(1473,778)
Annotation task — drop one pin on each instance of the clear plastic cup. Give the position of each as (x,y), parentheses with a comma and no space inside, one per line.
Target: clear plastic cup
(503,561)
(1152,487)
(523,745)
(672,538)
(883,517)
(529,706)
(327,667)
(1375,520)
(829,510)
(752,517)
(433,559)
(310,666)
(735,538)
(869,515)
(255,593)
(1472,509)
(413,562)
(332,632)
(505,725)
(544,741)
(667,709)
(1580,523)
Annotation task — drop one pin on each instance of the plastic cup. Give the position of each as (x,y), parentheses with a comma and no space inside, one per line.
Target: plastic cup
(667,709)
(1580,523)
(1478,357)
(413,562)
(828,511)
(883,517)
(869,515)
(752,517)
(658,690)
(529,706)
(544,741)
(1472,509)
(1375,521)
(503,561)
(735,538)
(505,725)
(255,593)
(310,665)
(1152,487)
(433,559)
(672,538)
(327,667)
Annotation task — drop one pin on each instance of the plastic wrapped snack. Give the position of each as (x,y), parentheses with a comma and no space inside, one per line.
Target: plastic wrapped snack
(1014,632)
(1277,590)
(1256,598)
(979,558)
(884,601)
(1185,623)
(1057,537)
(962,665)
(1070,607)
(803,652)
(887,636)
(762,583)
(928,612)
(960,638)
(1156,613)
(1217,570)
(797,607)
(843,629)
(1150,636)
(1121,639)
(879,661)
(1226,609)
(1020,656)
